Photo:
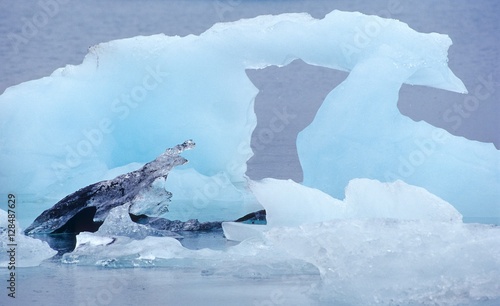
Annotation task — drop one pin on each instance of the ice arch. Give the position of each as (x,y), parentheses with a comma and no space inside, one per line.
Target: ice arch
(359,132)
(131,98)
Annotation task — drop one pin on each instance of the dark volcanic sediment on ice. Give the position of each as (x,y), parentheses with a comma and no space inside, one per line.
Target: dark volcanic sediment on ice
(86,209)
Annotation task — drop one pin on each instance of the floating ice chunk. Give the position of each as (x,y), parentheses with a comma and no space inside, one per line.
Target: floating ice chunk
(87,208)
(288,203)
(366,198)
(29,252)
(361,262)
(292,204)
(397,262)
(86,238)
(237,231)
(250,259)
(121,251)
(118,223)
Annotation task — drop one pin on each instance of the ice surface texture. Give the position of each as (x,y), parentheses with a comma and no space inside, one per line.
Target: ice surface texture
(142,191)
(398,262)
(29,251)
(360,262)
(118,222)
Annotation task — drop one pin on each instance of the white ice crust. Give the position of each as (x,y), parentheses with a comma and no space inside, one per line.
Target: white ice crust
(28,252)
(284,200)
(288,203)
(359,262)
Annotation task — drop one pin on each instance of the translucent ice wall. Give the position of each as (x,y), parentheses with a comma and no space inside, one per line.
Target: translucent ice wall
(132,98)
(359,132)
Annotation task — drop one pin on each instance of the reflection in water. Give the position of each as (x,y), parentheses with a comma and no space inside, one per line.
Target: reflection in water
(194,240)
(62,243)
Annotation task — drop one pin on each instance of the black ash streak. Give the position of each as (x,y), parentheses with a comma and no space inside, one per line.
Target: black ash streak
(86,209)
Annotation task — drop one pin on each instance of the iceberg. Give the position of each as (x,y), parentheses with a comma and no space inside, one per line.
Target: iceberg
(29,252)
(378,217)
(129,97)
